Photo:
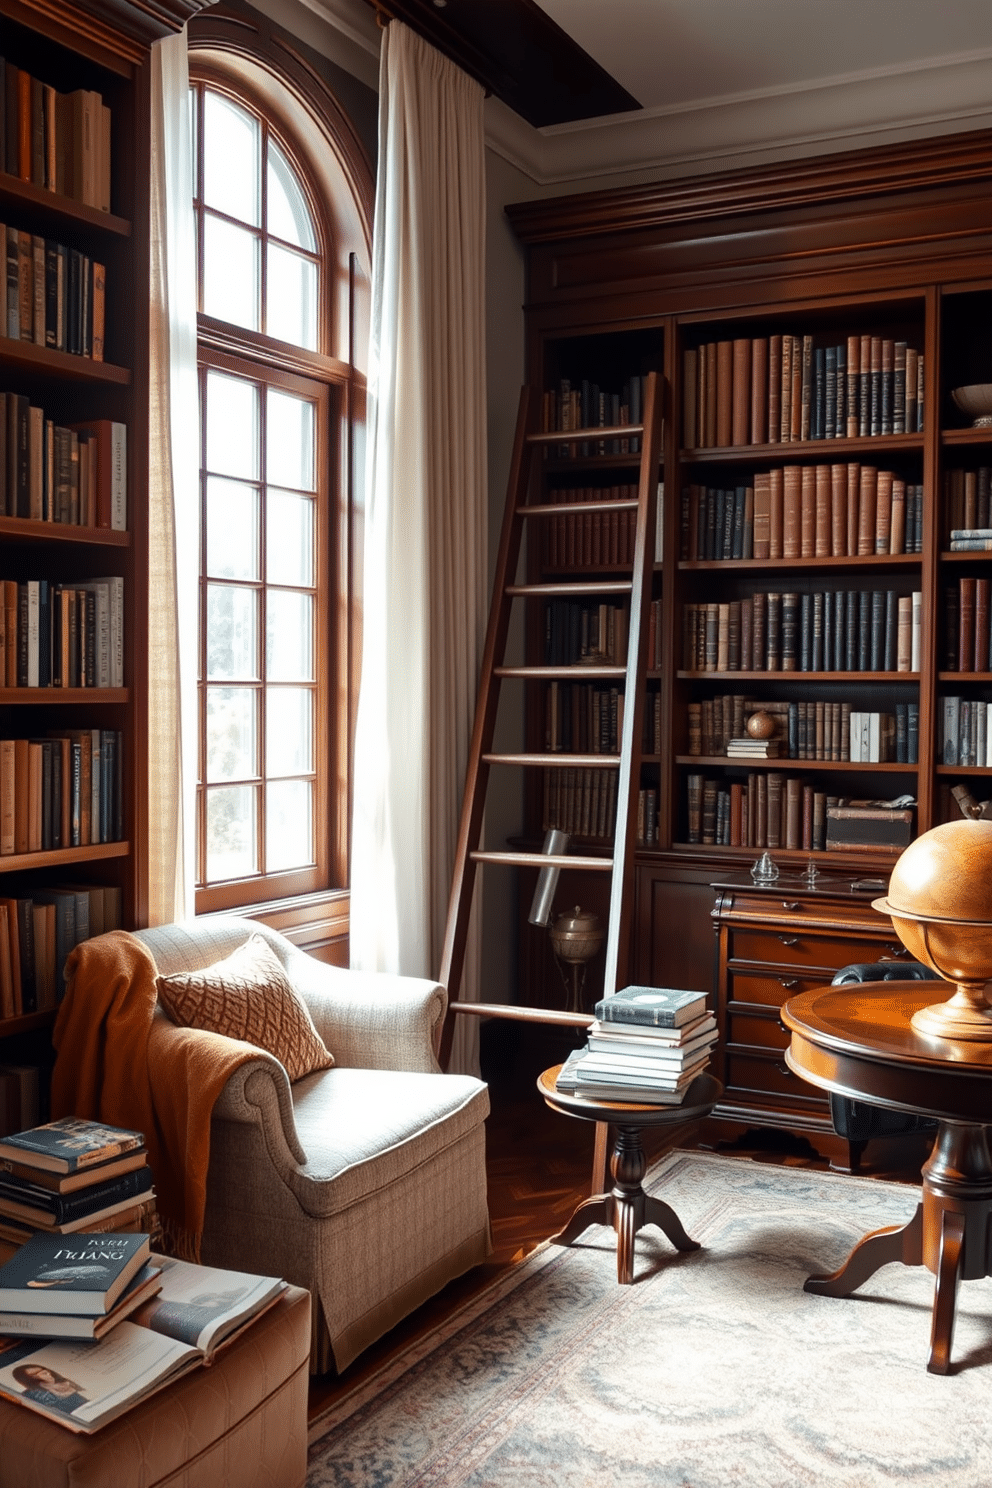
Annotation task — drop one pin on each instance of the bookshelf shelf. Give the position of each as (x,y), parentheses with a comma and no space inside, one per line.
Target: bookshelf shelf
(853,679)
(789,452)
(65,857)
(57,208)
(26,530)
(25,357)
(870,562)
(794,766)
(33,697)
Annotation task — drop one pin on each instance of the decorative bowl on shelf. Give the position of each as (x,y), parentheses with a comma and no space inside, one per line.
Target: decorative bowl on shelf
(976,401)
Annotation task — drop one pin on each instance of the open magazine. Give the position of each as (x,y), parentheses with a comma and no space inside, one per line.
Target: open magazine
(84,1385)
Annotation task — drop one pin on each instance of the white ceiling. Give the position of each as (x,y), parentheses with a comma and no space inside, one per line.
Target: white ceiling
(730,82)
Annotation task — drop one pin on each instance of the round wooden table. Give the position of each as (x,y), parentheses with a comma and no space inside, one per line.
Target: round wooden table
(857,1040)
(627,1207)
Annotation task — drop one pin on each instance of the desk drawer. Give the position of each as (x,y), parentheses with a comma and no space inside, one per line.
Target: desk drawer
(802,948)
(761,1074)
(757,1031)
(776,985)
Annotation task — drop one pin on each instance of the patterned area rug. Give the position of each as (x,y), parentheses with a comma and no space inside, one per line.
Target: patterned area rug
(714,1368)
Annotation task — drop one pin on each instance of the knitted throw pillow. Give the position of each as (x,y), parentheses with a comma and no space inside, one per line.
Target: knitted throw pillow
(249,997)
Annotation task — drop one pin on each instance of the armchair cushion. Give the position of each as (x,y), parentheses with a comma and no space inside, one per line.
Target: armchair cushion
(248,996)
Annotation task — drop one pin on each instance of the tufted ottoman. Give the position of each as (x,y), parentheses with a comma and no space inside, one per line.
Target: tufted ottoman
(239,1421)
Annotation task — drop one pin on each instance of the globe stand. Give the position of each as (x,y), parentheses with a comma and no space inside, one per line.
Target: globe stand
(966,1015)
(959,952)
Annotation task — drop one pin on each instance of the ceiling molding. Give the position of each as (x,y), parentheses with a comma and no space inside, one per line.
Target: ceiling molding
(883,106)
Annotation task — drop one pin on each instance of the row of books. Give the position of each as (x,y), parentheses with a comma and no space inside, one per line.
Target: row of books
(771,810)
(967,500)
(803,730)
(967,625)
(68,1176)
(62,635)
(646,1045)
(583,802)
(576,632)
(843,630)
(584,718)
(782,388)
(56,296)
(586,405)
(58,141)
(37,932)
(590,539)
(965,732)
(804,511)
(53,473)
(971,540)
(62,790)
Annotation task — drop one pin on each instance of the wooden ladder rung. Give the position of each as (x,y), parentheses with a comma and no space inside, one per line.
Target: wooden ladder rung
(574,673)
(584,589)
(542,860)
(557,761)
(575,508)
(573,436)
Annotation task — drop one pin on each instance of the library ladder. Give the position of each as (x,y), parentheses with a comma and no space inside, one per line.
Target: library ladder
(528,449)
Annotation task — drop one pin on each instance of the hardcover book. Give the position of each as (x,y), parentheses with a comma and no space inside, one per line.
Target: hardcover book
(80,1276)
(141,1289)
(664,1006)
(71,1143)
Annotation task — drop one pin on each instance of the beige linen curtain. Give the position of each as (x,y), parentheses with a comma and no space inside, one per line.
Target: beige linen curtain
(425,521)
(172,493)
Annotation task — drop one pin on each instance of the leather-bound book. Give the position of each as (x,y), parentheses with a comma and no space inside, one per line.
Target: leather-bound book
(694,719)
(791,512)
(690,374)
(838,511)
(723,638)
(796,401)
(951,628)
(774,389)
(886,386)
(864,630)
(864,388)
(883,511)
(714,522)
(773,633)
(840,403)
(899,387)
(702,383)
(773,831)
(816,643)
(711,384)
(805,632)
(807,818)
(724,393)
(806,389)
(736,813)
(850,630)
(762,515)
(748,550)
(981,628)
(759,390)
(876,645)
(789,631)
(734,635)
(818,430)
(984,498)
(808,514)
(793,812)
(875,385)
(913,733)
(853,501)
(747,635)
(694,808)
(829,613)
(776,514)
(712,635)
(966,624)
(741,421)
(890,662)
(970,514)
(912,375)
(897,519)
(853,385)
(867,497)
(785,390)
(759,628)
(709,811)
(823,518)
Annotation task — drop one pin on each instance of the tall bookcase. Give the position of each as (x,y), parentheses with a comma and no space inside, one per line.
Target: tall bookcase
(73,49)
(883,254)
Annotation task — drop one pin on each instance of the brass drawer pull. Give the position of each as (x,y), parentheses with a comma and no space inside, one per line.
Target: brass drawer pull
(790,904)
(789,940)
(788,982)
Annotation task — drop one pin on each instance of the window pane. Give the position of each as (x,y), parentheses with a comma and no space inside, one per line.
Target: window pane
(231,733)
(289,217)
(232,426)
(291,308)
(289,543)
(232,633)
(288,825)
(232,142)
(230,273)
(289,448)
(232,850)
(289,637)
(232,530)
(288,731)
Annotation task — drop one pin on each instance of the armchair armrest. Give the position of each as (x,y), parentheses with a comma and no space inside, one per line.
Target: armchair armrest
(371,1019)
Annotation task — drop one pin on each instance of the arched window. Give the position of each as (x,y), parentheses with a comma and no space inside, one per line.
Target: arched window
(278,297)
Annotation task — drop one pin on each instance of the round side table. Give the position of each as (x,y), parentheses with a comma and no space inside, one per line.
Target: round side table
(859,1040)
(627,1207)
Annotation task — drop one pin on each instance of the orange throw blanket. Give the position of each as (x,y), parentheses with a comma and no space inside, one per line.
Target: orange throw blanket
(110,1067)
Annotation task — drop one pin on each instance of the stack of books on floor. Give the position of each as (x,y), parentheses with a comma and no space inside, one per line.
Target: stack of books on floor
(646,1045)
(73,1176)
(92,1324)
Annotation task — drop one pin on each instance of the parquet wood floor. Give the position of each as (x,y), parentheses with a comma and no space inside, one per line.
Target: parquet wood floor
(539,1165)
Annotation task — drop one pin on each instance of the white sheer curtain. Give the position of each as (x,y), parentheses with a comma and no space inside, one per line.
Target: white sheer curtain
(173,476)
(425,537)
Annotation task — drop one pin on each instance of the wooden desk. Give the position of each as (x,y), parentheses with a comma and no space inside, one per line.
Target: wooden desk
(627,1207)
(858,1040)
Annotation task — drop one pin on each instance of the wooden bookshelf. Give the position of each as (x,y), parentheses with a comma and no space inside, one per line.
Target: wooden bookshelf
(890,246)
(105,51)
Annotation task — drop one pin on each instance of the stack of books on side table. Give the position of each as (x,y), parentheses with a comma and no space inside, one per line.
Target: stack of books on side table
(92,1324)
(74,1176)
(646,1045)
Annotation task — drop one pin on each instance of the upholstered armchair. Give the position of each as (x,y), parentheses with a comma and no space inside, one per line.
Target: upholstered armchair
(858,1121)
(364,1182)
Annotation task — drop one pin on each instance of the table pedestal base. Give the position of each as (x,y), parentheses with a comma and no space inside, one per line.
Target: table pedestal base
(626,1207)
(950,1233)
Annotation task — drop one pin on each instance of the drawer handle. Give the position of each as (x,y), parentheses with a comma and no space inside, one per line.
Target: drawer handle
(788,982)
(790,904)
(789,940)
(895,951)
